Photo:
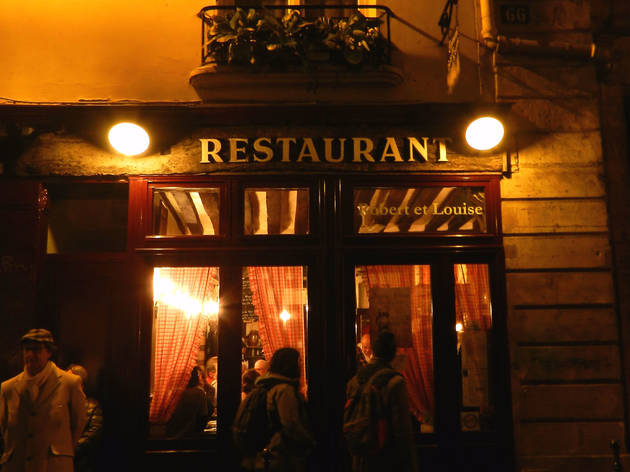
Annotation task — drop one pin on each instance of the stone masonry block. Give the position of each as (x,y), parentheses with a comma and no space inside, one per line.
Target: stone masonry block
(553,216)
(552,81)
(557,252)
(554,182)
(581,149)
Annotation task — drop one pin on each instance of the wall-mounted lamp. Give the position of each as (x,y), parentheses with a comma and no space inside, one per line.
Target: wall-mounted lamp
(128,138)
(484,133)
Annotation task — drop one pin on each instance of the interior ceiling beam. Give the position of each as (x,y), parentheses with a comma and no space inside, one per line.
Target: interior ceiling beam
(202,215)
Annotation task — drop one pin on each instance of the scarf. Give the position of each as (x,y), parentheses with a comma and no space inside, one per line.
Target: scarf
(33,383)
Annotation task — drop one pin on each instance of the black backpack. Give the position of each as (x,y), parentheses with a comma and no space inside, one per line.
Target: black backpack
(253,425)
(365,421)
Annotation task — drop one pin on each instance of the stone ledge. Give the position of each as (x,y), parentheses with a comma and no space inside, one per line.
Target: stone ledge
(227,83)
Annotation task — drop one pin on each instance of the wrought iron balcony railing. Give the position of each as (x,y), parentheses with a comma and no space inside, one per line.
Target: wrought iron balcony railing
(275,37)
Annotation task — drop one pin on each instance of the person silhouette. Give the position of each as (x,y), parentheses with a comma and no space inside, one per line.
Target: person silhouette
(48,410)
(89,445)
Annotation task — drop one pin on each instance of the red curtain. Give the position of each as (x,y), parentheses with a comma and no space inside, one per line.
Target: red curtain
(419,371)
(275,289)
(472,296)
(177,336)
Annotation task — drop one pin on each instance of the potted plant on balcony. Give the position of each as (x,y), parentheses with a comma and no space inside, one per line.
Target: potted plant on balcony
(255,55)
(257,39)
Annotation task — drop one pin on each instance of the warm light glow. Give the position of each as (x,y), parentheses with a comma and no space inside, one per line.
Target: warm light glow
(128,138)
(484,133)
(211,307)
(459,327)
(165,291)
(284,316)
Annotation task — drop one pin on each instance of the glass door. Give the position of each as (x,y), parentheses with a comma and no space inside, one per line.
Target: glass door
(398,298)
(473,325)
(448,352)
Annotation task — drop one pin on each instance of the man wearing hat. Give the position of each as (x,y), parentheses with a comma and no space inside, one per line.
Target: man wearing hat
(42,411)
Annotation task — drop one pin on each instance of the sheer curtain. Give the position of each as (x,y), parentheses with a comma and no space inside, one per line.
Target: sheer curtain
(179,327)
(275,289)
(419,371)
(472,296)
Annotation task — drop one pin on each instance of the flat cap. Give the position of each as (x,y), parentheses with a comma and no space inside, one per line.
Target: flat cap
(39,335)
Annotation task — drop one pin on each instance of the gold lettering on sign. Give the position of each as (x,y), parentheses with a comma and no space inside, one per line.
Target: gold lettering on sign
(205,150)
(308,150)
(414,145)
(286,147)
(328,150)
(266,150)
(235,149)
(362,147)
(391,150)
(434,209)
(441,150)
(238,150)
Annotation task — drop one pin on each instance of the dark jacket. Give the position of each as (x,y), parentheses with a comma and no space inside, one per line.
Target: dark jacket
(399,452)
(190,415)
(86,455)
(292,442)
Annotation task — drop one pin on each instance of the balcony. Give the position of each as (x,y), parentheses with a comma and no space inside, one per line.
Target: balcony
(296,54)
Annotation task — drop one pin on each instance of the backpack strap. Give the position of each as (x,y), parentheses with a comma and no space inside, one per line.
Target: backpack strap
(273,415)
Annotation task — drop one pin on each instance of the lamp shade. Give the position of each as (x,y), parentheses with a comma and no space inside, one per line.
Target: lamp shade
(484,133)
(128,139)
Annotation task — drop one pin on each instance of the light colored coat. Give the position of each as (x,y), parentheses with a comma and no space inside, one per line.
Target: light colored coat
(40,436)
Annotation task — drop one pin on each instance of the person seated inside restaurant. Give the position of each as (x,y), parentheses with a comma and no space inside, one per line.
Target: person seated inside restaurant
(191,413)
(261,366)
(248,381)
(212,374)
(364,350)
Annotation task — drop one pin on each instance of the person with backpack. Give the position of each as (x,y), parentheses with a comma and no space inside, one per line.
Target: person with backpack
(271,426)
(377,420)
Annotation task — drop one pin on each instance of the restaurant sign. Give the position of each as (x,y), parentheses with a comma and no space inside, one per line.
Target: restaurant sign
(356,150)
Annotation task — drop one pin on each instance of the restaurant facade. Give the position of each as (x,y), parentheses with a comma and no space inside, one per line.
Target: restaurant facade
(313,202)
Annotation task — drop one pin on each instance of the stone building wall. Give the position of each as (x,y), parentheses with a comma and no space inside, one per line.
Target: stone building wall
(567,362)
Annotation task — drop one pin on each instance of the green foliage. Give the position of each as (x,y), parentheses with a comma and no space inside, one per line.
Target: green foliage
(260,39)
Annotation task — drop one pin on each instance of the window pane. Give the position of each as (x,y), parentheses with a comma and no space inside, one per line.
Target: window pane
(184,351)
(419,210)
(276,211)
(473,326)
(274,316)
(186,211)
(87,217)
(398,297)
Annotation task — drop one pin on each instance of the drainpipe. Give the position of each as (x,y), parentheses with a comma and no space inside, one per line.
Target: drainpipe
(488,30)
(505,45)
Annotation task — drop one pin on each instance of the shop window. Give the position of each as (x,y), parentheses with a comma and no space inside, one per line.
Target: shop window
(180,211)
(185,351)
(398,298)
(430,209)
(274,316)
(473,312)
(87,217)
(272,211)
(184,374)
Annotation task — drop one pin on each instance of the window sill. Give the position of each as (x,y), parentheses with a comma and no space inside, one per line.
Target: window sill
(229,83)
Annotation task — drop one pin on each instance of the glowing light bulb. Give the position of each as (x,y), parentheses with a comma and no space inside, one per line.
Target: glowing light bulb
(484,133)
(284,316)
(459,327)
(128,138)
